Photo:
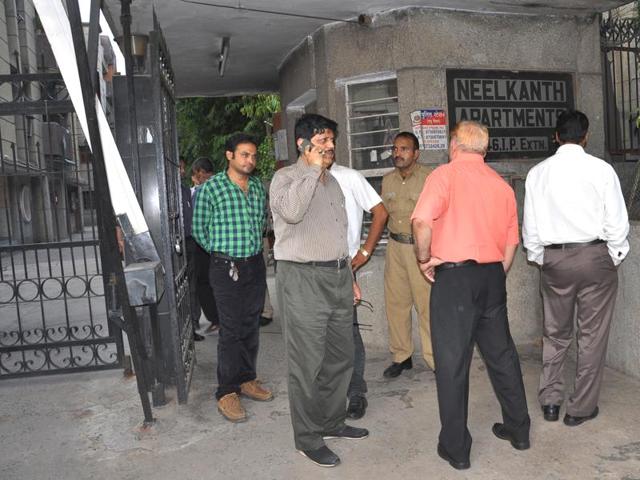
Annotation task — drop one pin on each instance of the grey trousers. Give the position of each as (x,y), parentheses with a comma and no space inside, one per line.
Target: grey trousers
(580,281)
(316,305)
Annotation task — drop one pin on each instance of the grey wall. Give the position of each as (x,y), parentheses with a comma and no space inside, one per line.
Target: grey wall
(624,339)
(420,44)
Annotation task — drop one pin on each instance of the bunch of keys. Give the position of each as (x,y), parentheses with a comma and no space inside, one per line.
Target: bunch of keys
(233,272)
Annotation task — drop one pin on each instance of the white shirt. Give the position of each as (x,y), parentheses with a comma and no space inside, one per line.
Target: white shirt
(359,196)
(574,197)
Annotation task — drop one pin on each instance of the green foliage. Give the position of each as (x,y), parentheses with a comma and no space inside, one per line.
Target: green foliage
(204,124)
(266,159)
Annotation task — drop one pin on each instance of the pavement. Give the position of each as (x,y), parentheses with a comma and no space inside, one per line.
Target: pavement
(88,426)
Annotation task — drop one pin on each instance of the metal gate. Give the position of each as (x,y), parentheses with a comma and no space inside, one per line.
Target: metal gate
(173,247)
(53,315)
(621,50)
(620,45)
(159,175)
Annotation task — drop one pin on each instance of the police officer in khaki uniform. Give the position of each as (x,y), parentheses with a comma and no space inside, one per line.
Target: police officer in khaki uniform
(404,284)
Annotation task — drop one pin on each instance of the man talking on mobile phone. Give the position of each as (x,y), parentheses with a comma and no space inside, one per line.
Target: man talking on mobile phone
(315,290)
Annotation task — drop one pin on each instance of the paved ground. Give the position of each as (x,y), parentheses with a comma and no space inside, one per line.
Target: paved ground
(86,426)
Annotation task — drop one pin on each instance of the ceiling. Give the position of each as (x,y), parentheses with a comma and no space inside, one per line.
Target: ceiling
(260,41)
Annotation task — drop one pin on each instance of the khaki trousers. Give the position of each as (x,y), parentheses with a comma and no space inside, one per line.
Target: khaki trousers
(406,287)
(583,281)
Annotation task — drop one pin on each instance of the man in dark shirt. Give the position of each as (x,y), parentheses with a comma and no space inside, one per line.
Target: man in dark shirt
(202,170)
(190,245)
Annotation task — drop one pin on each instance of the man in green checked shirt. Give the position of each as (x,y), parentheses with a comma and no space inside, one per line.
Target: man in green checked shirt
(228,220)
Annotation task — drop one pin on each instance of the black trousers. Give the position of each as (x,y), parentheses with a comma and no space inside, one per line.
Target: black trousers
(192,273)
(204,292)
(358,385)
(239,306)
(469,306)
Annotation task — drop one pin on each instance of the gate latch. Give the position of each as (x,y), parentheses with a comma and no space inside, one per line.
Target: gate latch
(145,283)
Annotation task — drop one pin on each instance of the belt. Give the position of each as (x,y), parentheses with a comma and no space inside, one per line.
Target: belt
(402,237)
(235,259)
(340,263)
(562,246)
(449,265)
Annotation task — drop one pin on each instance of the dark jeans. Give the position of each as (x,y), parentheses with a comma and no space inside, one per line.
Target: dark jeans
(469,306)
(239,306)
(192,274)
(357,386)
(204,292)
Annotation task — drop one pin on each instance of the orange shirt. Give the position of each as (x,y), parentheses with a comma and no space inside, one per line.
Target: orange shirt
(470,209)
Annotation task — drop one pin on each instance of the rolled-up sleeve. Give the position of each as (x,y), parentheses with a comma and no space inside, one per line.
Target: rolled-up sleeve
(616,220)
(530,237)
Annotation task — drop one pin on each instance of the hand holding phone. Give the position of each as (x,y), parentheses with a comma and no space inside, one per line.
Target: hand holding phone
(312,153)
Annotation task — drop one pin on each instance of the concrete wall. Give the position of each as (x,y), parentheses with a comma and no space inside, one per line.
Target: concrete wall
(419,44)
(624,339)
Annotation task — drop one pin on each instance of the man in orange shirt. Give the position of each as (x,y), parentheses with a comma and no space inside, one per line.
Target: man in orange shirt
(466,229)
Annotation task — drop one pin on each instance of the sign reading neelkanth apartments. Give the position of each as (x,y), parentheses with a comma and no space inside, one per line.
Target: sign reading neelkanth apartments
(520,108)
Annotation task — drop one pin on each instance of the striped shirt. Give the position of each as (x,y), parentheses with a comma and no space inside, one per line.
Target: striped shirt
(309,216)
(228,221)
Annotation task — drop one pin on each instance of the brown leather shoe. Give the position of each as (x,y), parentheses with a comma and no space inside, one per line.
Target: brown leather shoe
(231,408)
(254,391)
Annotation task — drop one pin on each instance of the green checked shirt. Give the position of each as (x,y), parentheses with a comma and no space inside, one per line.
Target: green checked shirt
(226,220)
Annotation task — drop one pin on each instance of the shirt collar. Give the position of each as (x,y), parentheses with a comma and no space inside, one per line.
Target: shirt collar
(225,175)
(460,156)
(570,148)
(409,173)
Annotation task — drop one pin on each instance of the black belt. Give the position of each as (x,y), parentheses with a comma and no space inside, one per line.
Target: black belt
(339,263)
(402,237)
(235,259)
(448,265)
(562,246)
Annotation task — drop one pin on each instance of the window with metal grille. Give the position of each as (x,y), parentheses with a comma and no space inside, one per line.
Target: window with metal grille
(373,122)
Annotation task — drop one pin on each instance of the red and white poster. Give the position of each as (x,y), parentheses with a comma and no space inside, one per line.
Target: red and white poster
(430,126)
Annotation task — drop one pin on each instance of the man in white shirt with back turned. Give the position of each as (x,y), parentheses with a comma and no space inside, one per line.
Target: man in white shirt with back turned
(575,227)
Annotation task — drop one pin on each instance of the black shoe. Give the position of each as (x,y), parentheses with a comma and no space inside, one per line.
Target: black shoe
(395,369)
(197,337)
(323,456)
(500,431)
(454,463)
(348,432)
(572,421)
(551,412)
(264,321)
(357,407)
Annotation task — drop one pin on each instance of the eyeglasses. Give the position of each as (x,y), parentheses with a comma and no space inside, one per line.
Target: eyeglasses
(365,303)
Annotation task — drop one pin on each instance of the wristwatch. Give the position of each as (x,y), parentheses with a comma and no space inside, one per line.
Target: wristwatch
(364,253)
